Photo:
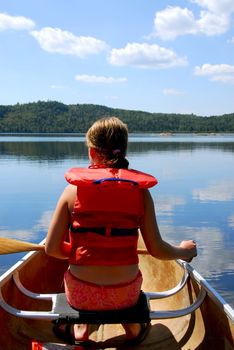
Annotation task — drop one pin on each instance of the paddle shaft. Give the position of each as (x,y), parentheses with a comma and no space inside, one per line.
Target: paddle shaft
(9,246)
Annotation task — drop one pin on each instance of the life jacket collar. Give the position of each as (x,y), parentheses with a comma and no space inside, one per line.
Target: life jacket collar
(111,176)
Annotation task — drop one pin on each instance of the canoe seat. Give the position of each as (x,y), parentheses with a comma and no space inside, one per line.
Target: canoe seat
(62,312)
(138,313)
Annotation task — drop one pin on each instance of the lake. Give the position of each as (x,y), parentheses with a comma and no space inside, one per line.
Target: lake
(194,198)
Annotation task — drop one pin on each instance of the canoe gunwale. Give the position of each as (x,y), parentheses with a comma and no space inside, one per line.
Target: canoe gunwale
(210,325)
(6,276)
(211,292)
(188,271)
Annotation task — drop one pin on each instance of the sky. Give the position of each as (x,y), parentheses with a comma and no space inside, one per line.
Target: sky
(148,55)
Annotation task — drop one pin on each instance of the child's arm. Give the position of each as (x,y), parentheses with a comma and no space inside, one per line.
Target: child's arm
(58,230)
(155,245)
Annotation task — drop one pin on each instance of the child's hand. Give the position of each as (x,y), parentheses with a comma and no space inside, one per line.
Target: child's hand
(190,249)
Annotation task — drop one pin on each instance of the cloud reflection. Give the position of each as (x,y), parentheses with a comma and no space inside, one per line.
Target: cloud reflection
(30,235)
(165,205)
(213,257)
(222,192)
(231,221)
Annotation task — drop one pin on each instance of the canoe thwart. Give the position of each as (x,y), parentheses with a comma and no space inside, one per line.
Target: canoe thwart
(62,312)
(150,295)
(180,312)
(172,291)
(29,293)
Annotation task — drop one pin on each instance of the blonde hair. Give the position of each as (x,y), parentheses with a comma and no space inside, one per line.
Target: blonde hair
(109,137)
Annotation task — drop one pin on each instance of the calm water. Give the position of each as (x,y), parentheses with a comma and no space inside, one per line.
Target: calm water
(194,197)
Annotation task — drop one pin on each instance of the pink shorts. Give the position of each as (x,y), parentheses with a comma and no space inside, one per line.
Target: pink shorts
(89,296)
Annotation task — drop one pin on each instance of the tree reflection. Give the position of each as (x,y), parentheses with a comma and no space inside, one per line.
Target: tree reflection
(59,150)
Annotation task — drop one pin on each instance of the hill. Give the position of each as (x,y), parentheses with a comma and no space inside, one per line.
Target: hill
(56,117)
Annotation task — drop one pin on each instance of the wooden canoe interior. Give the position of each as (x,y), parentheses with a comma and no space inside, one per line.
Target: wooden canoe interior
(206,328)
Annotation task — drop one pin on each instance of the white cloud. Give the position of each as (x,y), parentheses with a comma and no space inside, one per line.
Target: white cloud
(99,79)
(221,192)
(56,86)
(15,22)
(175,21)
(216,72)
(172,92)
(209,69)
(217,6)
(212,23)
(224,79)
(145,56)
(64,42)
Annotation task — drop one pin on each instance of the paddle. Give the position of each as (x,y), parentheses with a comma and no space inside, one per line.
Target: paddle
(9,246)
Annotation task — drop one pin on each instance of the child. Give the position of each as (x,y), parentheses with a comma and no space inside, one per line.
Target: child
(103,208)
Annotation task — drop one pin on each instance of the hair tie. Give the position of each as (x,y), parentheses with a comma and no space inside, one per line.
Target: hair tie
(116,151)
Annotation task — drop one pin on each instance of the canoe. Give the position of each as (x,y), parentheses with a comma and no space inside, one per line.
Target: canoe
(185,311)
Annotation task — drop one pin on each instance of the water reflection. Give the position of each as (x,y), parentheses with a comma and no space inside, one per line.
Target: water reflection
(222,191)
(32,235)
(166,205)
(194,198)
(231,221)
(43,151)
(56,150)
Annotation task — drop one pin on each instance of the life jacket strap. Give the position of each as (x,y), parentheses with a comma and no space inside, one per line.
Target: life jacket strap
(115,179)
(106,231)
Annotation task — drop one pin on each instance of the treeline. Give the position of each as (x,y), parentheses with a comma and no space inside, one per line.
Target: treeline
(56,117)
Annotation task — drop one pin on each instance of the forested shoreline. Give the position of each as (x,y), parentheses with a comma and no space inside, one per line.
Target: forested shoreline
(56,117)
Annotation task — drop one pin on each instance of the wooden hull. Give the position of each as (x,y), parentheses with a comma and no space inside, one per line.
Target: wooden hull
(206,328)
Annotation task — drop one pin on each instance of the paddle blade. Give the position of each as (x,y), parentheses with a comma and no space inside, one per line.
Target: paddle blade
(9,246)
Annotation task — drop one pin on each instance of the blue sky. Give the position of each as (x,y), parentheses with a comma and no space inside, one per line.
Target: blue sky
(156,56)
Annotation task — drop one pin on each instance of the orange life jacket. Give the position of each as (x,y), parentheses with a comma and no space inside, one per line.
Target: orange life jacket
(107,214)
